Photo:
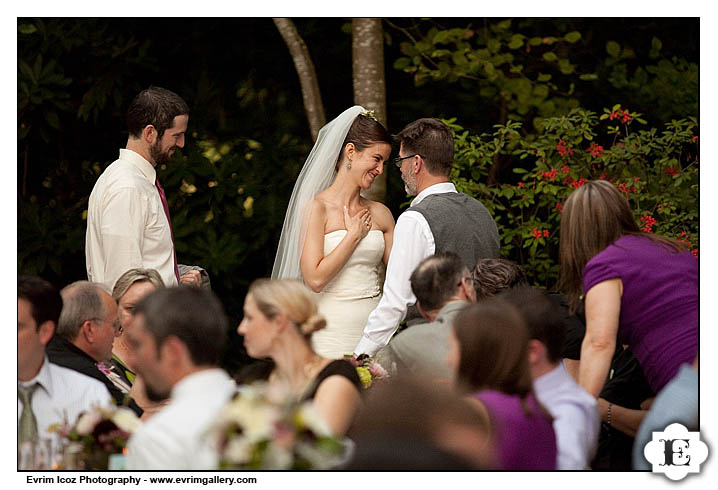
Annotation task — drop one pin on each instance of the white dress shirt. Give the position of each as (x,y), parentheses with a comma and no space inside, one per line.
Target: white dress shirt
(575,418)
(413,242)
(126,223)
(63,395)
(175,437)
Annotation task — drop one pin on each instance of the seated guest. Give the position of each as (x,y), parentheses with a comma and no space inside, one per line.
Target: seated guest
(575,417)
(491,276)
(178,336)
(47,394)
(279,319)
(443,286)
(129,289)
(407,424)
(86,331)
(489,354)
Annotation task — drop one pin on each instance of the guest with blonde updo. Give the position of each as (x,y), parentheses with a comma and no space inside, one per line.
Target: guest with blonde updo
(128,291)
(280,317)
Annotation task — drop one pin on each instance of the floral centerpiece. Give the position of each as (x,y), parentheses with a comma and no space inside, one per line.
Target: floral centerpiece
(367,368)
(99,434)
(262,428)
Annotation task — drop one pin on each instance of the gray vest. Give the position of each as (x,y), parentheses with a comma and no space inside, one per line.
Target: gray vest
(459,224)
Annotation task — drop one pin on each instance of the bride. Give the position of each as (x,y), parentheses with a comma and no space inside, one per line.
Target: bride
(333,238)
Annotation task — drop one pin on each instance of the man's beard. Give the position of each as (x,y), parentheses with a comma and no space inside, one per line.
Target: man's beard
(157,155)
(154,395)
(409,184)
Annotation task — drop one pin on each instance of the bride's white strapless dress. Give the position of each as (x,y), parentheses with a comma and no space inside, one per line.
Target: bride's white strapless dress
(350,296)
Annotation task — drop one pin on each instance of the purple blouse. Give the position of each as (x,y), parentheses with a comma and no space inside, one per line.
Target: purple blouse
(659,306)
(525,442)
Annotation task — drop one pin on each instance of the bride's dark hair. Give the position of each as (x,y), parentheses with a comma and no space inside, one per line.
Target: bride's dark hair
(364,132)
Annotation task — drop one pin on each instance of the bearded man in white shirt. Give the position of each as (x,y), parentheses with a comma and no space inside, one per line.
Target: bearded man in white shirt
(47,393)
(440,219)
(178,336)
(128,220)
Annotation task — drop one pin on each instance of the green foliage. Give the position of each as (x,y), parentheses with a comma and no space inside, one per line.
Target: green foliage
(524,75)
(657,169)
(668,87)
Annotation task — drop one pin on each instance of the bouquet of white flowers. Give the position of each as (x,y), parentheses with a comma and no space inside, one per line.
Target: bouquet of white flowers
(100,433)
(262,428)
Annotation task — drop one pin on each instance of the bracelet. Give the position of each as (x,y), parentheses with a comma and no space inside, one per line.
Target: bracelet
(608,414)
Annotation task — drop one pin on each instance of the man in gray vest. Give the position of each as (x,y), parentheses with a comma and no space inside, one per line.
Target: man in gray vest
(443,286)
(440,219)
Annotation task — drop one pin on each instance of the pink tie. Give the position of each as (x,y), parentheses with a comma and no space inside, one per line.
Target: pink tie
(169,221)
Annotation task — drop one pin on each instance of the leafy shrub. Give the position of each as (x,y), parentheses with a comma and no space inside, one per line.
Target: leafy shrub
(658,171)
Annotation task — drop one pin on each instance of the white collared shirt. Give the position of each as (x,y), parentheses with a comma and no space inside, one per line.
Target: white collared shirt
(575,418)
(413,242)
(175,437)
(126,223)
(63,395)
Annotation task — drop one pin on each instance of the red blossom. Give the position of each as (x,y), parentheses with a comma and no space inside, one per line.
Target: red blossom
(636,179)
(565,169)
(545,233)
(595,150)
(624,116)
(602,176)
(536,233)
(695,252)
(550,175)
(649,222)
(559,207)
(694,139)
(671,171)
(563,148)
(521,184)
(578,183)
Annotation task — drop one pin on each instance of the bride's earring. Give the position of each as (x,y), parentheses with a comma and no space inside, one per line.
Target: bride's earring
(349,165)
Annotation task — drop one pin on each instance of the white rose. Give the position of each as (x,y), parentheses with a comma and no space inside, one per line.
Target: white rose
(238,450)
(87,422)
(125,419)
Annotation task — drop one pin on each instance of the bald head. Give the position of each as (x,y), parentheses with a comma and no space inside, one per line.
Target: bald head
(437,279)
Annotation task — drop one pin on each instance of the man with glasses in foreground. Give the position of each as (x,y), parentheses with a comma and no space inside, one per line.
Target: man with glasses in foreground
(85,333)
(443,286)
(440,219)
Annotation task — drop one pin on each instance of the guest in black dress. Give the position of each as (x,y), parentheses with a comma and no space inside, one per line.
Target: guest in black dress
(279,319)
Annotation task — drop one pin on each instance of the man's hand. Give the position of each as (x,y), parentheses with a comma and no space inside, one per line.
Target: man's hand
(191,278)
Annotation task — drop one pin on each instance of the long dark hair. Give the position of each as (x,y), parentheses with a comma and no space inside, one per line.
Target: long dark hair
(594,216)
(493,348)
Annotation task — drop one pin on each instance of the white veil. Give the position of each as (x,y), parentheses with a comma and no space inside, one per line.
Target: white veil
(317,174)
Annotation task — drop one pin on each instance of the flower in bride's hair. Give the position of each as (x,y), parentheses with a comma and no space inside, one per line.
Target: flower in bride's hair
(369,114)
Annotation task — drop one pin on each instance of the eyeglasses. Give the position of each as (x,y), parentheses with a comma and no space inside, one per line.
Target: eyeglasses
(116,325)
(397,161)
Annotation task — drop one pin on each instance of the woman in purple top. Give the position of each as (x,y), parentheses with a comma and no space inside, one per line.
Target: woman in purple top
(640,289)
(489,355)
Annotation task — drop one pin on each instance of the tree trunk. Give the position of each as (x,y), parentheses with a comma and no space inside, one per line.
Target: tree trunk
(369,84)
(307,75)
